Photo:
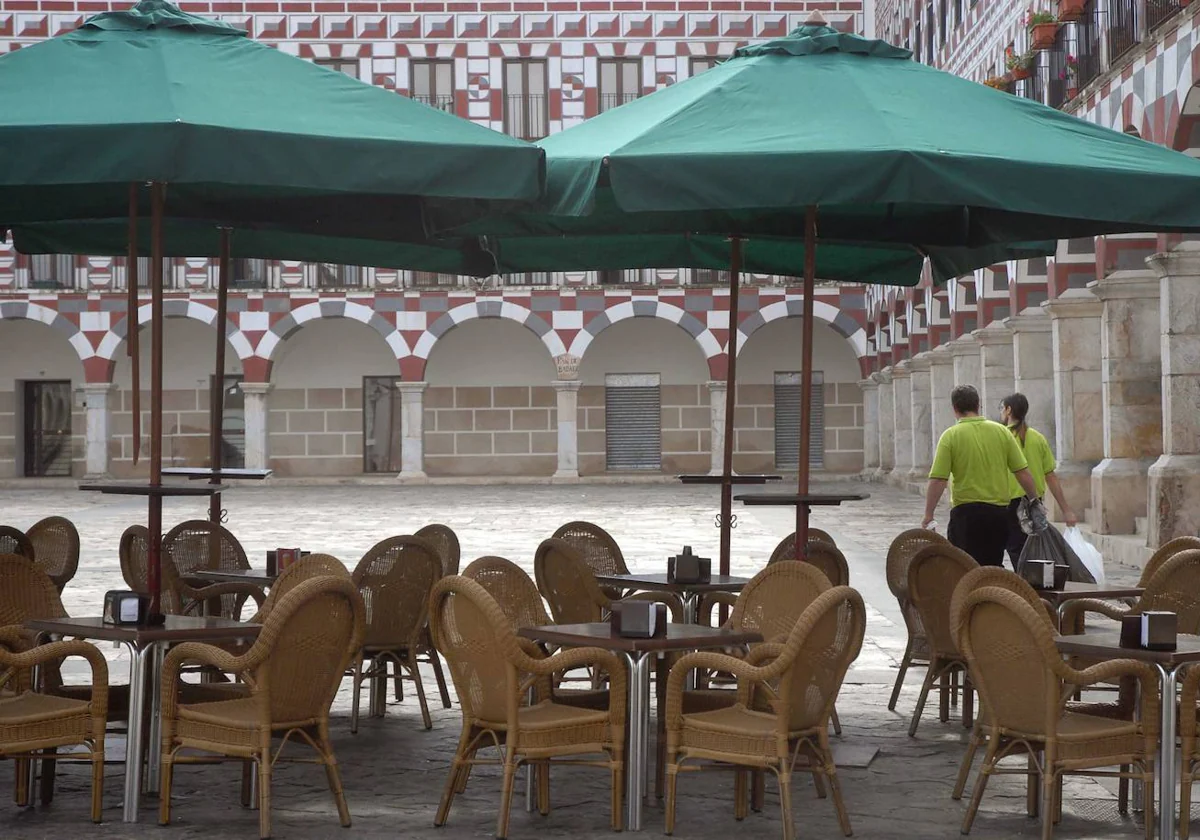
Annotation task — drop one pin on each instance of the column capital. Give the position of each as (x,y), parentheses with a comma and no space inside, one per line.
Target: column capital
(1030,320)
(255,387)
(1074,303)
(1125,285)
(900,370)
(940,355)
(884,376)
(717,385)
(919,363)
(1182,260)
(569,384)
(98,387)
(868,384)
(993,334)
(416,387)
(964,345)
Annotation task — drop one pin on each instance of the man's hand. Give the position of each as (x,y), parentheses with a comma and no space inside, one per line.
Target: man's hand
(927,521)
(1070,518)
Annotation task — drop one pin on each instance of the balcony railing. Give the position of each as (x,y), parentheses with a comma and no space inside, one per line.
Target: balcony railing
(330,276)
(623,277)
(525,116)
(52,271)
(528,278)
(431,280)
(1124,29)
(1087,46)
(1159,12)
(608,101)
(441,101)
(248,274)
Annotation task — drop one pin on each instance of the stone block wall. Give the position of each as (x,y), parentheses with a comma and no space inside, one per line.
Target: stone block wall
(185,430)
(754,423)
(500,430)
(686,429)
(316,431)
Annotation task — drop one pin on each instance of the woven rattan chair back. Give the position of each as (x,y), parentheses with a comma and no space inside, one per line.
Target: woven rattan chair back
(394,579)
(830,560)
(1175,588)
(26,592)
(932,577)
(306,568)
(200,544)
(786,550)
(595,547)
(55,543)
(512,589)
(568,584)
(134,552)
(827,637)
(477,641)
(1164,553)
(900,556)
(14,541)
(773,600)
(443,538)
(999,577)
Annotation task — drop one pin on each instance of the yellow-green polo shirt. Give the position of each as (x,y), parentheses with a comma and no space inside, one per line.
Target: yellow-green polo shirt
(1041,462)
(980,455)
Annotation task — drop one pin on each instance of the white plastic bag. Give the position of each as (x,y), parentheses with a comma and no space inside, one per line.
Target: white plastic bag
(1086,552)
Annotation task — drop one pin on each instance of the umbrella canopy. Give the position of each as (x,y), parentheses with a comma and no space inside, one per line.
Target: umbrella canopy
(242,132)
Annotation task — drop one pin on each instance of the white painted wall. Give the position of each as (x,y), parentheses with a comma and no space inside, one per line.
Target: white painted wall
(645,345)
(489,351)
(775,347)
(32,350)
(189,353)
(332,353)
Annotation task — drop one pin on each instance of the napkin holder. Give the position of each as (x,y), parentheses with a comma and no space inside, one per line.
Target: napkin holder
(284,557)
(123,607)
(638,619)
(272,564)
(1159,630)
(1038,573)
(1062,574)
(686,567)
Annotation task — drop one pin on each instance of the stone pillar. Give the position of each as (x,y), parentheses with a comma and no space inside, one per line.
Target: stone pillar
(567,391)
(887,427)
(99,396)
(412,430)
(965,352)
(995,367)
(1078,407)
(941,383)
(1175,477)
(870,390)
(1131,380)
(922,419)
(255,397)
(1033,367)
(902,422)
(716,403)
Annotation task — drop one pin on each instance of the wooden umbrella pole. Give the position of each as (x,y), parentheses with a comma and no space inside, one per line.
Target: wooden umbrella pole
(154,561)
(131,321)
(217,402)
(806,372)
(735,270)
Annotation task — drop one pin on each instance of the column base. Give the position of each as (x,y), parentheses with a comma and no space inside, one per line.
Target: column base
(412,477)
(1076,480)
(565,477)
(1119,487)
(881,473)
(1174,498)
(898,477)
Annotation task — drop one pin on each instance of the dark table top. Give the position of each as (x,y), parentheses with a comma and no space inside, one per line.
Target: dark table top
(733,479)
(1106,644)
(224,472)
(258,577)
(177,628)
(717,583)
(145,489)
(1075,591)
(794,499)
(601,635)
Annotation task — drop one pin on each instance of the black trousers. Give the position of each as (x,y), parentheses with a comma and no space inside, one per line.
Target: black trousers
(981,530)
(1016,537)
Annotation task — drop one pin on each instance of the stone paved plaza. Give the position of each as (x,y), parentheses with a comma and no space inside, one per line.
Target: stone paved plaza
(393,771)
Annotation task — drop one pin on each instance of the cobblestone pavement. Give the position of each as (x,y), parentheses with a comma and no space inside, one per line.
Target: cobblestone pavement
(393,771)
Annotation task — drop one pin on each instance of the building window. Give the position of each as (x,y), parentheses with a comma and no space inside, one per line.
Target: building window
(525,95)
(620,81)
(709,277)
(632,422)
(233,422)
(787,421)
(433,83)
(527,278)
(143,272)
(381,424)
(331,276)
(620,277)
(698,65)
(349,66)
(248,274)
(51,271)
(430,279)
(943,22)
(1087,34)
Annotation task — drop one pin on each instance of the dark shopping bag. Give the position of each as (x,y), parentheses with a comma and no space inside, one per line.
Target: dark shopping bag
(1049,544)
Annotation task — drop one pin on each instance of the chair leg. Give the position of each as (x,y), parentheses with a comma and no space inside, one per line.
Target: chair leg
(1148,785)
(618,787)
(905,661)
(1048,796)
(410,663)
(325,746)
(945,691)
(825,756)
(510,773)
(166,776)
(356,690)
(1123,792)
(1185,800)
(248,772)
(1032,790)
(964,769)
(758,790)
(672,787)
(930,676)
(985,770)
(397,682)
(785,804)
(21,787)
(440,676)
(264,788)
(740,794)
(837,724)
(46,782)
(542,775)
(97,782)
(968,704)
(456,783)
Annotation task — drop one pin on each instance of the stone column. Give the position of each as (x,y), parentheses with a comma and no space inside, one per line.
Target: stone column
(1078,407)
(995,367)
(922,419)
(567,391)
(412,430)
(902,422)
(1131,380)
(716,403)
(870,390)
(965,352)
(257,450)
(1033,367)
(99,396)
(887,427)
(941,383)
(1175,476)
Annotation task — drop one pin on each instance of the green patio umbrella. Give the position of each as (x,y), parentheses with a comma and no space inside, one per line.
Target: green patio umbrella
(831,137)
(153,114)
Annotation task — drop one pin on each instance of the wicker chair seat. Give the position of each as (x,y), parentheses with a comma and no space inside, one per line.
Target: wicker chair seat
(234,722)
(730,730)
(25,718)
(546,725)
(583,698)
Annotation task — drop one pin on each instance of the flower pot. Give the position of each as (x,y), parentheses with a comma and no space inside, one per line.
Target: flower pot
(1019,73)
(1070,10)
(1072,90)
(1042,35)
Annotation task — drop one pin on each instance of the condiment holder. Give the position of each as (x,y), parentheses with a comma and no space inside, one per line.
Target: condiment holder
(686,567)
(638,619)
(1151,630)
(125,607)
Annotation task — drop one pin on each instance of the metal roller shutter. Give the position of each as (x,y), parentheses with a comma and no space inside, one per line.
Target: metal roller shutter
(787,422)
(632,422)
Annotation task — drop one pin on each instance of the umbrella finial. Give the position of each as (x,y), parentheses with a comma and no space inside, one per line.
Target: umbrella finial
(816,19)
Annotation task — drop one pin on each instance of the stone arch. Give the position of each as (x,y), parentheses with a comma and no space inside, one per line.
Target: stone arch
(648,308)
(175,308)
(842,323)
(1186,134)
(1132,112)
(23,310)
(268,345)
(488,308)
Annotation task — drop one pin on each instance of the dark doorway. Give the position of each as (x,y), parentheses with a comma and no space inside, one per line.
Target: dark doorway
(47,428)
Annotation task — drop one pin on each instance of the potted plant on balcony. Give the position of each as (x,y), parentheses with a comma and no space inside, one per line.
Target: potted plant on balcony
(1043,27)
(1070,10)
(1020,65)
(1070,76)
(997,82)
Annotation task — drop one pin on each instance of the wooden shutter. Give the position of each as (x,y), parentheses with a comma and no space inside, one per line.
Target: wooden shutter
(787,422)
(632,422)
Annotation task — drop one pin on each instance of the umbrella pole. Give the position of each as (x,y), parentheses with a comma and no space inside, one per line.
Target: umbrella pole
(131,321)
(806,372)
(217,403)
(735,269)
(154,561)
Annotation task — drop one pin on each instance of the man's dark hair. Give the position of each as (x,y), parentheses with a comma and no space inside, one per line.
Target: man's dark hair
(1018,404)
(965,399)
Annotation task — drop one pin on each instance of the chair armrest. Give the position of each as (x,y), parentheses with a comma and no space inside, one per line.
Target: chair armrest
(1144,672)
(568,660)
(1076,609)
(203,654)
(55,652)
(674,602)
(712,600)
(216,590)
(710,661)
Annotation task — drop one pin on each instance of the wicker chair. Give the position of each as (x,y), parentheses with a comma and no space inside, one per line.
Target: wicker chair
(134,553)
(55,548)
(786,694)
(899,558)
(293,671)
(512,589)
(598,549)
(1175,587)
(200,544)
(26,592)
(821,552)
(569,587)
(1164,553)
(786,550)
(14,541)
(445,540)
(932,576)
(35,725)
(304,569)
(1189,709)
(1024,685)
(394,579)
(493,676)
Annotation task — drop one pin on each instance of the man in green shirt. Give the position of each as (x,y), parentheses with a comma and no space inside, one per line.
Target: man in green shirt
(1013,410)
(982,456)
